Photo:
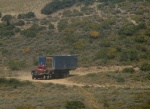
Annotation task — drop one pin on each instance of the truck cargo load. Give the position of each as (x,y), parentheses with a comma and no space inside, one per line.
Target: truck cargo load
(61,62)
(56,66)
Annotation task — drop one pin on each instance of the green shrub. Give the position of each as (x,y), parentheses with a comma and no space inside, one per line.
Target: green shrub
(141,26)
(141,39)
(32,31)
(27,106)
(51,26)
(4,51)
(7,19)
(128,70)
(28,33)
(26,15)
(87,10)
(128,30)
(35,61)
(147,32)
(0,14)
(70,39)
(108,53)
(145,67)
(75,105)
(17,30)
(120,79)
(133,56)
(13,82)
(6,30)
(104,25)
(20,23)
(123,57)
(62,24)
(105,43)
(30,15)
(87,2)
(56,5)
(7,33)
(44,21)
(16,65)
(78,45)
(71,13)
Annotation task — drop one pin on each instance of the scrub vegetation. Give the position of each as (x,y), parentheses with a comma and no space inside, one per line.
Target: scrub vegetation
(100,32)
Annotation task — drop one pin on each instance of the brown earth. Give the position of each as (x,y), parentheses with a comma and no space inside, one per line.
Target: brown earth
(78,72)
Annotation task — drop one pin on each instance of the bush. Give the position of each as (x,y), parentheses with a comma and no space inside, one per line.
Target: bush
(75,105)
(56,5)
(87,2)
(51,26)
(123,57)
(128,70)
(87,10)
(13,82)
(29,33)
(4,51)
(7,19)
(145,67)
(133,56)
(20,23)
(71,13)
(147,32)
(108,53)
(120,79)
(17,30)
(141,39)
(6,30)
(16,65)
(62,24)
(26,15)
(0,14)
(128,30)
(78,45)
(27,106)
(32,31)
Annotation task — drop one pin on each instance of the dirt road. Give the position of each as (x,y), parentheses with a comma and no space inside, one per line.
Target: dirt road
(77,72)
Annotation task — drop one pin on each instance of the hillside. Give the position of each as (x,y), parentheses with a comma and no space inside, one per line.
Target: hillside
(16,7)
(101,32)
(110,37)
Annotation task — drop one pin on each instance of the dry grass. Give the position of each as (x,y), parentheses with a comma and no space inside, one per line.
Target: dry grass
(15,7)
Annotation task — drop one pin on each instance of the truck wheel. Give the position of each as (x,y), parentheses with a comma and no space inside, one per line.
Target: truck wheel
(67,74)
(32,77)
(53,76)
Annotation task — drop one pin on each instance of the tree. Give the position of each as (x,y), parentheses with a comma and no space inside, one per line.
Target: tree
(7,19)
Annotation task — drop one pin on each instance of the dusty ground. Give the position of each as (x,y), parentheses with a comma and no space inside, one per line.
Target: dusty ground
(78,72)
(95,96)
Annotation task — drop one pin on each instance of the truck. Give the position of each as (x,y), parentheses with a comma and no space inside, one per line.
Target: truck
(55,66)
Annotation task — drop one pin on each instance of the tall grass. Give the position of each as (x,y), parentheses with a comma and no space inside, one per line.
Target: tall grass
(13,82)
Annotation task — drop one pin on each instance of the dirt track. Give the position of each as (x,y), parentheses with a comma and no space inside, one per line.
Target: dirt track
(77,72)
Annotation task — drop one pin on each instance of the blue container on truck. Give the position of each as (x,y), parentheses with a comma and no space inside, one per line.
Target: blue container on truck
(64,62)
(60,65)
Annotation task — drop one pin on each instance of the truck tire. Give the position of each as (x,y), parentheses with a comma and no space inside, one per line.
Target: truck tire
(32,77)
(67,74)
